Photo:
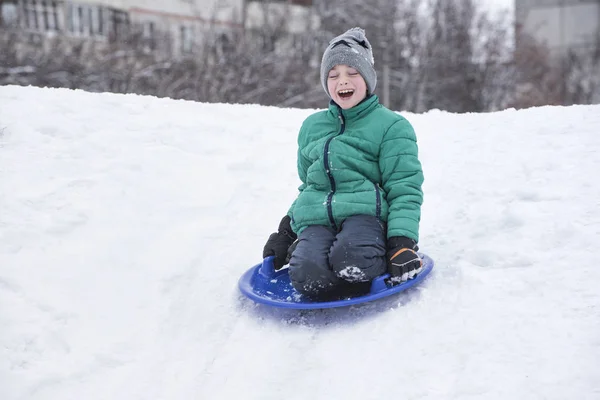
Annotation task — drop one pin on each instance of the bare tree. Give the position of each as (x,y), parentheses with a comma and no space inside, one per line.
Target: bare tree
(582,74)
(436,54)
(445,54)
(494,67)
(449,64)
(538,80)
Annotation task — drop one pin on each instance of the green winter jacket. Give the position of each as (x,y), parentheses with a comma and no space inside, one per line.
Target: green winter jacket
(363,160)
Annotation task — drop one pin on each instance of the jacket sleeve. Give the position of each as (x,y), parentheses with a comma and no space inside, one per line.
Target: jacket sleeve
(402,179)
(302,165)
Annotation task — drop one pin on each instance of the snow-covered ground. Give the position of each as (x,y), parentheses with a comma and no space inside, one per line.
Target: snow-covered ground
(126,221)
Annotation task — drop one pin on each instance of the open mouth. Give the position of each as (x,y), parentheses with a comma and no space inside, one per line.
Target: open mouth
(346,93)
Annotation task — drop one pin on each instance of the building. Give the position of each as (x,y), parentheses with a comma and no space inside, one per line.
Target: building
(561,25)
(183,22)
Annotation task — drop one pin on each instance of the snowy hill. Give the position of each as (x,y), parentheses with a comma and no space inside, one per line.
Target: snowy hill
(125,222)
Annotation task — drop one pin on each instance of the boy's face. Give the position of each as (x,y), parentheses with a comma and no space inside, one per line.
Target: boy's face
(346,86)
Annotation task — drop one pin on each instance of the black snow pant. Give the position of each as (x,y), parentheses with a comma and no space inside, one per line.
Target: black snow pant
(331,264)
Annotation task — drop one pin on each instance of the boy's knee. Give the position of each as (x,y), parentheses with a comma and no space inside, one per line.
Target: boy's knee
(309,269)
(358,254)
(312,280)
(359,265)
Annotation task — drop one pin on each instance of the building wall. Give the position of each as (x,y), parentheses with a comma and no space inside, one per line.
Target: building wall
(204,9)
(299,18)
(174,27)
(560,24)
(183,21)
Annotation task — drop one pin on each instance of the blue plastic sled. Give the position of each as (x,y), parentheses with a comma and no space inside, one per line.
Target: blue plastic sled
(263,284)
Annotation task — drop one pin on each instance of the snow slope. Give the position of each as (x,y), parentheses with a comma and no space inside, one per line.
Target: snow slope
(125,222)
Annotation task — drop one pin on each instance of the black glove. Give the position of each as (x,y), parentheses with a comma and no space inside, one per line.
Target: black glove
(403,261)
(279,243)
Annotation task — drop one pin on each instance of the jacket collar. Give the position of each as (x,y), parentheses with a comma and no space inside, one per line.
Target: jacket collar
(360,110)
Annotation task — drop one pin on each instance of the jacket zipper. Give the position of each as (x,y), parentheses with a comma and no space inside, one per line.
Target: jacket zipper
(378,200)
(330,175)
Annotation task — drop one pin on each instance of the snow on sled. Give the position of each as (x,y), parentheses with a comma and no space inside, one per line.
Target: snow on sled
(264,285)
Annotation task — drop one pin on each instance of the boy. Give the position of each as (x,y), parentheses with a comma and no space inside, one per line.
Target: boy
(358,209)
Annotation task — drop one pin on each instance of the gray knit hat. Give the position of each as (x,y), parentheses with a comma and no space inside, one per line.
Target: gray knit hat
(353,49)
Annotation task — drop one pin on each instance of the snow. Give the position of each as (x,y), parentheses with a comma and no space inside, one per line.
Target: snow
(125,222)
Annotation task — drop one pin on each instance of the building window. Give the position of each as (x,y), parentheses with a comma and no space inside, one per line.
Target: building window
(119,22)
(41,15)
(96,17)
(9,15)
(50,15)
(186,39)
(86,20)
(149,34)
(82,20)
(76,20)
(30,8)
(148,30)
(101,21)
